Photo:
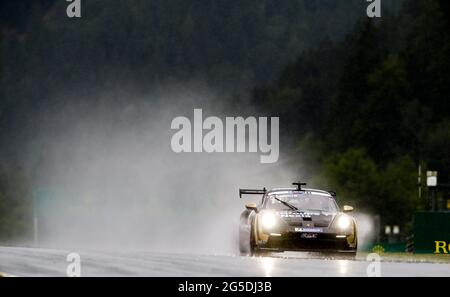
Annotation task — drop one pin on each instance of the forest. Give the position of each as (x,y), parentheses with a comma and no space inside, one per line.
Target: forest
(363,101)
(371,108)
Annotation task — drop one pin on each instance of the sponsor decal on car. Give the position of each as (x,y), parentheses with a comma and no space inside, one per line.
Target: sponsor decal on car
(308,230)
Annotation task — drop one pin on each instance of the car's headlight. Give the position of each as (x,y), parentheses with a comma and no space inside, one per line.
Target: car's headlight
(343,222)
(268,220)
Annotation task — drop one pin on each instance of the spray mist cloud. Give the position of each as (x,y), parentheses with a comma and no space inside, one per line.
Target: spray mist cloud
(112,180)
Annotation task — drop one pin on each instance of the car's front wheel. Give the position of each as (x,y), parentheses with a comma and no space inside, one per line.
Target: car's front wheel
(245,247)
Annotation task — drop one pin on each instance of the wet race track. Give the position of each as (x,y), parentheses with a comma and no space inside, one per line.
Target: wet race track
(46,262)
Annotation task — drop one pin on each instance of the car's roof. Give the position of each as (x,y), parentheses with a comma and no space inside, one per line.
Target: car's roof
(275,190)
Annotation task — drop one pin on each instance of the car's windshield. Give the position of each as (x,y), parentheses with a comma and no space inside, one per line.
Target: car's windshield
(302,201)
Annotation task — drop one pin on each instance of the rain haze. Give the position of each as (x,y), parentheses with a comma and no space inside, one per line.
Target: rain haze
(108,177)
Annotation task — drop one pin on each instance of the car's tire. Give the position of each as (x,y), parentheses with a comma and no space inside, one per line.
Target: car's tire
(339,255)
(351,255)
(247,245)
(350,252)
(245,248)
(258,253)
(254,250)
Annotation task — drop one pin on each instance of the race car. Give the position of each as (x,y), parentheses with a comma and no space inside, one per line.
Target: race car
(296,219)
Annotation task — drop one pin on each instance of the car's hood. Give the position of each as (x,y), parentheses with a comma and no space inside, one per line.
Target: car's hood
(307,218)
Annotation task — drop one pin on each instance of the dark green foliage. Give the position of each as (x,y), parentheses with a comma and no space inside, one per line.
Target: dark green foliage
(368,110)
(15,205)
(389,191)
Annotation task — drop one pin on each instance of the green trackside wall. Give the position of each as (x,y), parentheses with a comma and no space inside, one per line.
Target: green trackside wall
(430,227)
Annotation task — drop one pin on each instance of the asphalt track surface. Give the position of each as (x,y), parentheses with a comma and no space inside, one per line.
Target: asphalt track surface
(47,262)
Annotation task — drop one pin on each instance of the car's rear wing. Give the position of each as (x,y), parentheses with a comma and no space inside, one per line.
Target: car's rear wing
(251,192)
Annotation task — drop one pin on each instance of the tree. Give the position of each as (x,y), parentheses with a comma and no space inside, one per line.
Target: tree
(15,206)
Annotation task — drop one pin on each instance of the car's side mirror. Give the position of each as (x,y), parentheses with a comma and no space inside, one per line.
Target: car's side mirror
(348,208)
(251,206)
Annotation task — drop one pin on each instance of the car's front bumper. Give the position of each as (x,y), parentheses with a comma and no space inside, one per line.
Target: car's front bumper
(297,241)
